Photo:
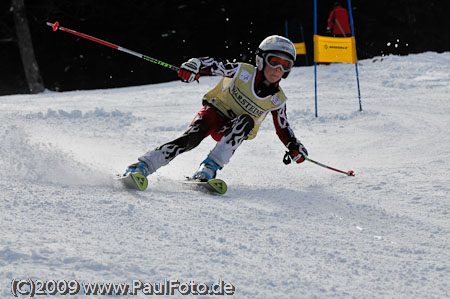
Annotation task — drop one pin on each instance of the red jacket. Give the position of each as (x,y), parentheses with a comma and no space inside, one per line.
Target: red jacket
(339,15)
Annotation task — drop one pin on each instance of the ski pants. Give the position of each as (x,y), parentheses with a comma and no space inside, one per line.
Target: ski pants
(229,134)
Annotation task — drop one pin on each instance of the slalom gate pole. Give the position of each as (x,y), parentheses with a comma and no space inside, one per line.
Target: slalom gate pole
(286,28)
(349,173)
(303,39)
(315,63)
(356,64)
(56,27)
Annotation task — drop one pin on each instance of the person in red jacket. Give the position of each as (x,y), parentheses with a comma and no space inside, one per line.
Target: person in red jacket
(338,22)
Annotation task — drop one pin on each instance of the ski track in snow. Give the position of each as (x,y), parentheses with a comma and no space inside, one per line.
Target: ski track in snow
(280,231)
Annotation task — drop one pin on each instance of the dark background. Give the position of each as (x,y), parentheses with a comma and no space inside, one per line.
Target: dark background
(176,30)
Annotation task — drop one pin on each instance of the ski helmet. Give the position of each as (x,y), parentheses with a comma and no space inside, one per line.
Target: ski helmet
(274,43)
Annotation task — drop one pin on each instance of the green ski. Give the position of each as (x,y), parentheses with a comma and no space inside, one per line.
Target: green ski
(215,186)
(134,180)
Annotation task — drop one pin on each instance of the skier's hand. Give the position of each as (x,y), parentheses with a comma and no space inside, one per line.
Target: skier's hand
(297,151)
(189,70)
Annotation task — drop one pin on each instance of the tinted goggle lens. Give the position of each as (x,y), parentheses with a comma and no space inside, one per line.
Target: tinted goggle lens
(275,61)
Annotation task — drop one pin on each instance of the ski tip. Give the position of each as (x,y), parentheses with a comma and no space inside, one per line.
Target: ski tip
(350,173)
(218,186)
(140,180)
(214,186)
(135,180)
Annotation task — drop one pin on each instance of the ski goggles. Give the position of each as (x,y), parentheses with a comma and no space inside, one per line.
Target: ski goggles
(279,61)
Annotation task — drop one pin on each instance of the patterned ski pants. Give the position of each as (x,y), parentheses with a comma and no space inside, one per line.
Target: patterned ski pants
(228,133)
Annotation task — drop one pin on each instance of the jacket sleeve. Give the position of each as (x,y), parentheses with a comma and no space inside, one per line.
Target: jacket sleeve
(331,19)
(282,127)
(217,67)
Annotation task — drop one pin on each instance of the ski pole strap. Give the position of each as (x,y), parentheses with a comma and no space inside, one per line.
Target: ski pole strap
(287,158)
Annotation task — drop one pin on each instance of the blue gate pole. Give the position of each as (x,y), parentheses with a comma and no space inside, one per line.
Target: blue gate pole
(303,39)
(356,64)
(315,63)
(286,27)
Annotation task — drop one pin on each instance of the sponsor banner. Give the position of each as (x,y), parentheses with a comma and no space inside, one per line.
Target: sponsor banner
(300,48)
(334,49)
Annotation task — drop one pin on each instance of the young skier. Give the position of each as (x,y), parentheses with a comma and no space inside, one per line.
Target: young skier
(234,110)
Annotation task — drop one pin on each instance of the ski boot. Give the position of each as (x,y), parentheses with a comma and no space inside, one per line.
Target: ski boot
(139,167)
(135,177)
(206,171)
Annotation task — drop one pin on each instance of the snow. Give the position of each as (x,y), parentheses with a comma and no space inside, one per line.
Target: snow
(296,231)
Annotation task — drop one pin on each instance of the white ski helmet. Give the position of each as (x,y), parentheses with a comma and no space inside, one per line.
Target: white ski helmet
(274,43)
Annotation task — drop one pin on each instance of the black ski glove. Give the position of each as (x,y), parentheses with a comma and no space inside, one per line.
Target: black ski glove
(297,152)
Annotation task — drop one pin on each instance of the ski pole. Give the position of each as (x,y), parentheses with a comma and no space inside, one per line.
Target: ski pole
(287,160)
(349,173)
(56,26)
(340,28)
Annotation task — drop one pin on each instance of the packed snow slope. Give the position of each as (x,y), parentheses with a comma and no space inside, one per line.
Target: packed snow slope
(296,231)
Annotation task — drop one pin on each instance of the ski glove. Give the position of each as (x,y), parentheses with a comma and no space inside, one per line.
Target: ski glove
(297,152)
(189,70)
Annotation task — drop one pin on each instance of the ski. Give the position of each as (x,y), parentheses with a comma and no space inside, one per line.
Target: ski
(137,181)
(214,186)
(133,180)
